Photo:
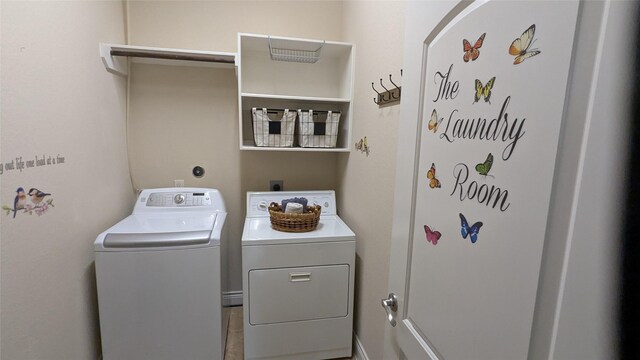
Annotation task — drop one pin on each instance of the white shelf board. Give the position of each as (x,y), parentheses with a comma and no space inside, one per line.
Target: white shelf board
(295,98)
(248,145)
(117,63)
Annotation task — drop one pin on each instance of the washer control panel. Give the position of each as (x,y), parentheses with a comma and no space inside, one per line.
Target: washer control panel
(168,199)
(258,202)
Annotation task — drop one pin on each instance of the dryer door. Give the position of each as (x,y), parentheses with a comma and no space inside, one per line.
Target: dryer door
(298,294)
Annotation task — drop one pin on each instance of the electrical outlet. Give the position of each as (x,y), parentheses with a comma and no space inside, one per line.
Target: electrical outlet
(178,183)
(276,185)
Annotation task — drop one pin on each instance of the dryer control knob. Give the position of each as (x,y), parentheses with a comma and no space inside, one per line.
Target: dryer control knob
(178,199)
(262,205)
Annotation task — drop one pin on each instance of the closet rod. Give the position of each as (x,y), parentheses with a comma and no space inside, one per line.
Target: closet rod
(170,56)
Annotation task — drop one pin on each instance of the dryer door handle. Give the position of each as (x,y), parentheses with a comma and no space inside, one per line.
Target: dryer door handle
(299,277)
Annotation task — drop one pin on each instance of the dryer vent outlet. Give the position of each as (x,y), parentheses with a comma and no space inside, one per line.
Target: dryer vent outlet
(276,185)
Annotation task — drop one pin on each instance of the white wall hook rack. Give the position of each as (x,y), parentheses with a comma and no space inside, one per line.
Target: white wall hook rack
(388,96)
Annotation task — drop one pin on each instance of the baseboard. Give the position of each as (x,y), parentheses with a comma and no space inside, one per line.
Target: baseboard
(232,298)
(358,349)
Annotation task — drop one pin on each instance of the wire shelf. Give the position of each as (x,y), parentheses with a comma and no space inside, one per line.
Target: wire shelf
(295,55)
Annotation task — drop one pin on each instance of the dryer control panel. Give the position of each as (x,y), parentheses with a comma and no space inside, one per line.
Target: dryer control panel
(258,202)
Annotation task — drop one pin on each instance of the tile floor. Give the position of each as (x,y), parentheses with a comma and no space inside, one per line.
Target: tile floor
(235,338)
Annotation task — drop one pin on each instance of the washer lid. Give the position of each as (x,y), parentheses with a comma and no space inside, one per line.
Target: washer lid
(258,231)
(140,240)
(160,230)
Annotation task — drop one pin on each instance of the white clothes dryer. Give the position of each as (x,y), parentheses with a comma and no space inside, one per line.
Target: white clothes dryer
(297,287)
(160,277)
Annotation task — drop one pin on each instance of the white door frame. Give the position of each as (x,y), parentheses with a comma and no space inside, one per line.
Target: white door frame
(408,131)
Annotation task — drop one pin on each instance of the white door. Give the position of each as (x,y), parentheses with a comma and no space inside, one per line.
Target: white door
(472,202)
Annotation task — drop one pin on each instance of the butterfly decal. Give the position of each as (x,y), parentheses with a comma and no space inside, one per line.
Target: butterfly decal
(520,46)
(431,175)
(483,168)
(432,236)
(363,146)
(472,52)
(471,231)
(434,122)
(483,91)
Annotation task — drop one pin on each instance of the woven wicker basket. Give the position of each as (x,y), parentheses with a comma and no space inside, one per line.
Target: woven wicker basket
(294,222)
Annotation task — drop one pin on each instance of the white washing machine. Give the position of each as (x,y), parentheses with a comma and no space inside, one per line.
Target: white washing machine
(297,287)
(160,278)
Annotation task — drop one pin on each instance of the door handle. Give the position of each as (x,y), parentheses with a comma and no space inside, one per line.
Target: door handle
(390,304)
(297,277)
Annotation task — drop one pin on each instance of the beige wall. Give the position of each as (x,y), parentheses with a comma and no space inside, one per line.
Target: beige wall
(183,116)
(366,183)
(213,25)
(57,98)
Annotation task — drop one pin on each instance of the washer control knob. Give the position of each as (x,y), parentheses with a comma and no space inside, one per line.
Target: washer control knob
(326,204)
(178,199)
(262,206)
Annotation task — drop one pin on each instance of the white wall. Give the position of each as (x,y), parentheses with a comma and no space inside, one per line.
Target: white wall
(586,315)
(57,98)
(366,183)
